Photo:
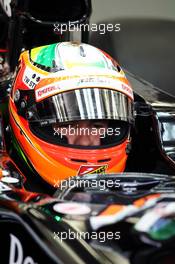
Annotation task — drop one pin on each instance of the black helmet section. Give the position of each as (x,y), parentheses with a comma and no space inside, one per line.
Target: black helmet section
(4,28)
(4,67)
(35,23)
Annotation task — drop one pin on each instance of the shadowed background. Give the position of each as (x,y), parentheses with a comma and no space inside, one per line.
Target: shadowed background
(145,45)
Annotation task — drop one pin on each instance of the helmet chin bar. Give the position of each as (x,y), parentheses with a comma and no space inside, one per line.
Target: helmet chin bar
(29,28)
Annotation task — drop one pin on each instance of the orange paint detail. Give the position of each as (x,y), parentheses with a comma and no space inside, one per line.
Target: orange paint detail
(140,202)
(112,210)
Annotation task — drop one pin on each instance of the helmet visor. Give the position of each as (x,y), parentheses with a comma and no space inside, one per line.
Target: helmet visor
(82,104)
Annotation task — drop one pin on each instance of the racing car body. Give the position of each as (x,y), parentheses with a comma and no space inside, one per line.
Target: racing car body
(94,218)
(107,219)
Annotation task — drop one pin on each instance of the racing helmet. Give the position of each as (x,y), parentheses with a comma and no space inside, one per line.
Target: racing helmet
(67,83)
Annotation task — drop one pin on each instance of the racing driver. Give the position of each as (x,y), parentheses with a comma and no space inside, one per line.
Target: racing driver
(71,110)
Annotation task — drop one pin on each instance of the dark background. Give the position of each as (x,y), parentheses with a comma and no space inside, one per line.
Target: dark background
(145,45)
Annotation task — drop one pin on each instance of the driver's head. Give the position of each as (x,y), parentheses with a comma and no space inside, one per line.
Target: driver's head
(71,109)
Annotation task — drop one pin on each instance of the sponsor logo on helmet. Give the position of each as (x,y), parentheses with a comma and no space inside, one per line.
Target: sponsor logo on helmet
(46,91)
(92,169)
(31,78)
(73,83)
(94,79)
